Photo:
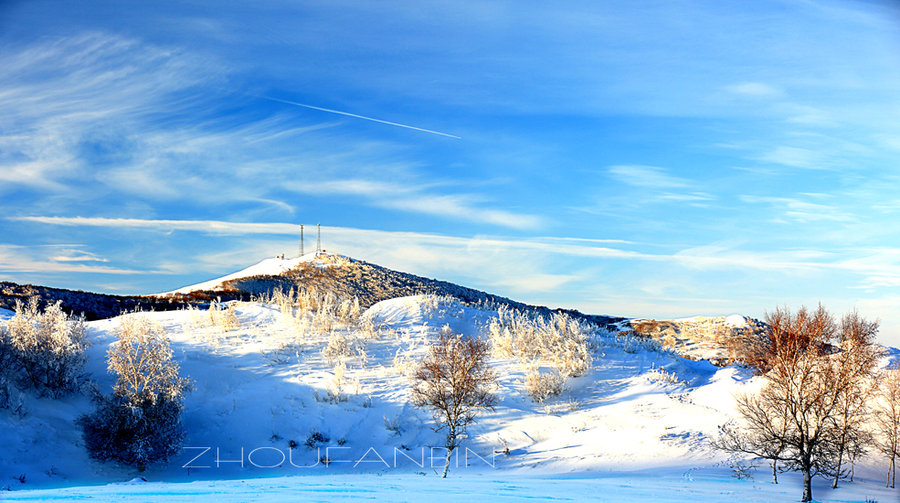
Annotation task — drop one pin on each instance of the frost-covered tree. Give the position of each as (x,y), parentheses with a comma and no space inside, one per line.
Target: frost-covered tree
(887,420)
(8,391)
(454,382)
(140,422)
(47,347)
(851,373)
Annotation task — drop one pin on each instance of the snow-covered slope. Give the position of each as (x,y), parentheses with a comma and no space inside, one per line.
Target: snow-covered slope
(691,485)
(263,389)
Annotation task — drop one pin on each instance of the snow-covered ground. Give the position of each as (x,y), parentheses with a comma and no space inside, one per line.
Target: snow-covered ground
(690,485)
(636,426)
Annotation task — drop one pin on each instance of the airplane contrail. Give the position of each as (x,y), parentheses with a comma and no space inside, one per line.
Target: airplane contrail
(348,114)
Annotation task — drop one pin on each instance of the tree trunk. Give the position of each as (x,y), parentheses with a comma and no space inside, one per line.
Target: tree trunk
(447,462)
(451,444)
(807,485)
(774,471)
(837,471)
(891,471)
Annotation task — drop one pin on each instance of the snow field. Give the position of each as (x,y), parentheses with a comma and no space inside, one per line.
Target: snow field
(636,423)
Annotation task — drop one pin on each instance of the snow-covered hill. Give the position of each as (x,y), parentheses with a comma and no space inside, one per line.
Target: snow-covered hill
(267,267)
(262,385)
(264,388)
(344,276)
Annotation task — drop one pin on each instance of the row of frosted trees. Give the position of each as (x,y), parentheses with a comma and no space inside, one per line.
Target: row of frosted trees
(42,351)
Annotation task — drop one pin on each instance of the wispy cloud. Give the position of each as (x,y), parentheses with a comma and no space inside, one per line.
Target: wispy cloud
(651,177)
(463,207)
(689,197)
(75,255)
(67,93)
(655,185)
(205,226)
(418,198)
(755,89)
(358,187)
(796,157)
(33,259)
(800,210)
(808,115)
(55,92)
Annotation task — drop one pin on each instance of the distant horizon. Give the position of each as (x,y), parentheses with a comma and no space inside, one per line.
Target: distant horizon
(657,159)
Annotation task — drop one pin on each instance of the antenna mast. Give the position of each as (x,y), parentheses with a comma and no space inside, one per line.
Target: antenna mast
(318,238)
(301,240)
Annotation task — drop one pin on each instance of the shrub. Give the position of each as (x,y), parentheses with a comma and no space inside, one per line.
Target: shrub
(47,347)
(632,343)
(336,386)
(392,424)
(140,422)
(224,317)
(542,385)
(661,374)
(368,329)
(338,348)
(311,310)
(134,430)
(342,347)
(560,341)
(315,439)
(9,395)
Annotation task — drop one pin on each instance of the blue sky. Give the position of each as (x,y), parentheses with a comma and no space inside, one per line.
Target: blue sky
(658,158)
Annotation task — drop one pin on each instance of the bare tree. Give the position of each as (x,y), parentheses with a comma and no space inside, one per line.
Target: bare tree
(792,419)
(887,420)
(851,373)
(454,382)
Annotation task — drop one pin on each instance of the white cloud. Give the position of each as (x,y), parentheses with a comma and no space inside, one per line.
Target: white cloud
(205,226)
(33,259)
(689,197)
(809,116)
(802,211)
(53,93)
(754,89)
(651,177)
(371,188)
(68,99)
(75,255)
(795,157)
(417,198)
(461,207)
